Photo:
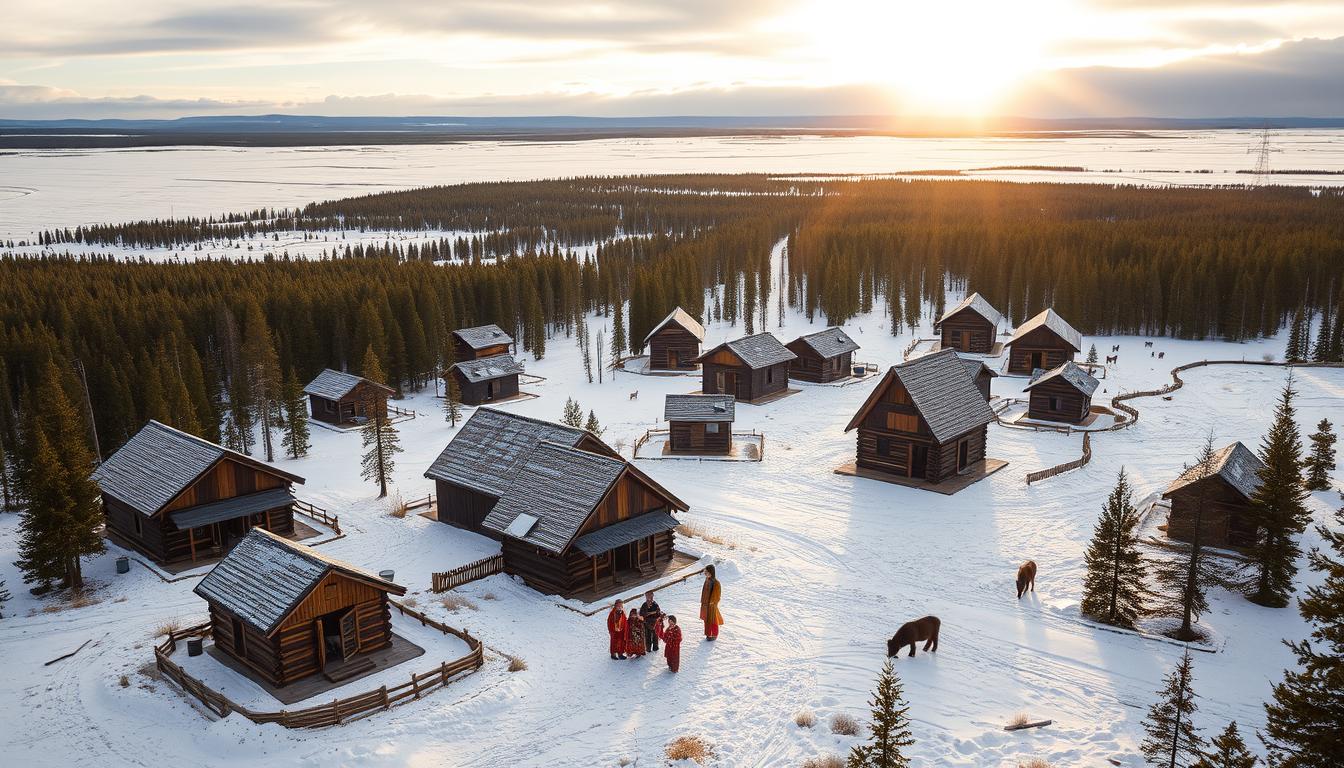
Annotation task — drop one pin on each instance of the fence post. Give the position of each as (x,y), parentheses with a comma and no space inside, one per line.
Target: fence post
(415,685)
(386,703)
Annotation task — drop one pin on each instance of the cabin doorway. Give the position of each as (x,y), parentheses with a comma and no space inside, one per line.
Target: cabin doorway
(965,341)
(727,383)
(919,461)
(337,638)
(1037,360)
(672,359)
(963,455)
(489,390)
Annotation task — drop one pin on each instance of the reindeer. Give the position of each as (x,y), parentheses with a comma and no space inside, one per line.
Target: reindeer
(1026,578)
(1115,348)
(1112,359)
(912,632)
(1161,355)
(634,395)
(1147,343)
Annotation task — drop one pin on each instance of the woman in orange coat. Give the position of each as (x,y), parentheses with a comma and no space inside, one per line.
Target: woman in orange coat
(709,604)
(616,628)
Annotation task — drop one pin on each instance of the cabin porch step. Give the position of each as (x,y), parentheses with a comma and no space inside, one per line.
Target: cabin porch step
(350,670)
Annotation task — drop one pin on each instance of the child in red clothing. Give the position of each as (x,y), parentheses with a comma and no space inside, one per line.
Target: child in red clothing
(634,639)
(616,629)
(671,637)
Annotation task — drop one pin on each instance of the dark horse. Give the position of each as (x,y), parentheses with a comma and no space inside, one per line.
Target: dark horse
(1026,578)
(912,632)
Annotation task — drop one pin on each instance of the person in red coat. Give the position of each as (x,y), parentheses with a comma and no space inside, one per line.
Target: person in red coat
(634,639)
(670,634)
(616,628)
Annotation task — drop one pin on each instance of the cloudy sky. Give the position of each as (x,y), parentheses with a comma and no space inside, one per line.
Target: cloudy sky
(1040,58)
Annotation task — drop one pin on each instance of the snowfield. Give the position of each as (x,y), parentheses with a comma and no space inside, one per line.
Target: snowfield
(818,570)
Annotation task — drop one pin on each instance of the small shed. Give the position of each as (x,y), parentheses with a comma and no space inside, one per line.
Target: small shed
(674,344)
(822,356)
(487,379)
(336,397)
(1043,342)
(700,423)
(481,341)
(924,420)
(175,496)
(286,612)
(1063,393)
(750,368)
(981,374)
(1218,494)
(970,326)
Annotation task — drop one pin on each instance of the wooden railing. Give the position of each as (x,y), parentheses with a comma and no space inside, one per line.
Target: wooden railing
(1033,477)
(339,710)
(426,501)
(395,411)
(446,580)
(319,514)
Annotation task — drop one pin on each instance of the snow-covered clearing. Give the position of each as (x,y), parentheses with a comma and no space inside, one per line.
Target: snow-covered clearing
(818,570)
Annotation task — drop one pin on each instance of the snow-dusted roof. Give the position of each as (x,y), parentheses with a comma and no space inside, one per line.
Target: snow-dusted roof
(483,336)
(831,342)
(977,304)
(488,449)
(679,317)
(941,390)
(1051,320)
(265,577)
(759,351)
(334,385)
(231,509)
(1070,372)
(558,485)
(1234,463)
(486,368)
(699,408)
(975,367)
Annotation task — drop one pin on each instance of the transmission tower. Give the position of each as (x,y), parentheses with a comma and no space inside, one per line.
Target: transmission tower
(1261,153)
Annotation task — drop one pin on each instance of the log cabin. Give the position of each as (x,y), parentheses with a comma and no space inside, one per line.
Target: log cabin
(477,466)
(335,397)
(750,368)
(481,341)
(573,521)
(981,374)
(674,344)
(970,326)
(1043,342)
(925,420)
(1218,493)
(486,379)
(1063,393)
(176,497)
(700,423)
(286,612)
(822,356)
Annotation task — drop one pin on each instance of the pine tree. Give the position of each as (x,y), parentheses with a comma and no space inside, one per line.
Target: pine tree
(1228,751)
(1113,589)
(617,332)
(890,726)
(1321,461)
(1302,725)
(1320,352)
(573,414)
(1277,506)
(295,437)
(1172,739)
(452,402)
(4,597)
(592,426)
(1092,354)
(1296,339)
(381,442)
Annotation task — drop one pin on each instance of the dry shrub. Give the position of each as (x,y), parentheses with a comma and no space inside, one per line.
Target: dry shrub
(489,596)
(516,664)
(844,724)
(410,602)
(689,748)
(452,602)
(805,719)
(824,761)
(1268,357)
(396,506)
(1035,762)
(125,681)
(694,531)
(1020,719)
(167,628)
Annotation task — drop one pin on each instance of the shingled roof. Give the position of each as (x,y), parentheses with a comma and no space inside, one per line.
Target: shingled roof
(265,577)
(977,304)
(679,317)
(1070,372)
(160,462)
(831,342)
(759,351)
(942,391)
(334,385)
(707,408)
(487,368)
(976,366)
(1050,319)
(1234,463)
(490,446)
(483,336)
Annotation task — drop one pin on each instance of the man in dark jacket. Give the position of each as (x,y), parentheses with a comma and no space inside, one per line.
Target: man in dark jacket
(650,612)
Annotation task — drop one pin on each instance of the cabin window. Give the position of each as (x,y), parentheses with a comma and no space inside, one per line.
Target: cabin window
(883,446)
(902,422)
(1056,404)
(329,406)
(139,524)
(769,375)
(712,429)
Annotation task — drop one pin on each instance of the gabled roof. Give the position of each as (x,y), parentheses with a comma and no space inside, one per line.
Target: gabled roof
(942,390)
(483,336)
(159,463)
(831,342)
(265,577)
(1235,464)
(1070,372)
(491,445)
(334,385)
(679,317)
(977,304)
(487,368)
(759,351)
(1051,320)
(976,367)
(706,408)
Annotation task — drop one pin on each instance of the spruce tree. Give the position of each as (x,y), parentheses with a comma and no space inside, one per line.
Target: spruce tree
(1172,739)
(1278,508)
(295,437)
(452,401)
(1296,339)
(617,332)
(1321,461)
(890,726)
(1227,751)
(381,442)
(1113,589)
(1185,578)
(4,597)
(592,425)
(1303,722)
(1092,354)
(573,414)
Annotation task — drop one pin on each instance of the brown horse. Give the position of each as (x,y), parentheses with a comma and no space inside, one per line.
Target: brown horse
(1026,578)
(912,632)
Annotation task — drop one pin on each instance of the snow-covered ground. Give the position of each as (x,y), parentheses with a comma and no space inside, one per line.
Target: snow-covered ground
(818,571)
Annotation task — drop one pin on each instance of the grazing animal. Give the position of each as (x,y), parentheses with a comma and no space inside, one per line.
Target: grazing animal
(1147,343)
(1112,358)
(1026,578)
(634,395)
(912,632)
(1161,355)
(1116,348)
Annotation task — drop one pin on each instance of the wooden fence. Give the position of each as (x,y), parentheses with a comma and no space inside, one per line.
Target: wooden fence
(649,433)
(1033,477)
(414,504)
(395,411)
(318,514)
(446,580)
(339,710)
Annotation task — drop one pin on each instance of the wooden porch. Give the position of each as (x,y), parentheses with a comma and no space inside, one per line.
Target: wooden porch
(628,580)
(972,474)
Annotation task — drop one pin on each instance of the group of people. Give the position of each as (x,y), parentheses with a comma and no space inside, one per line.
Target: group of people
(641,630)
